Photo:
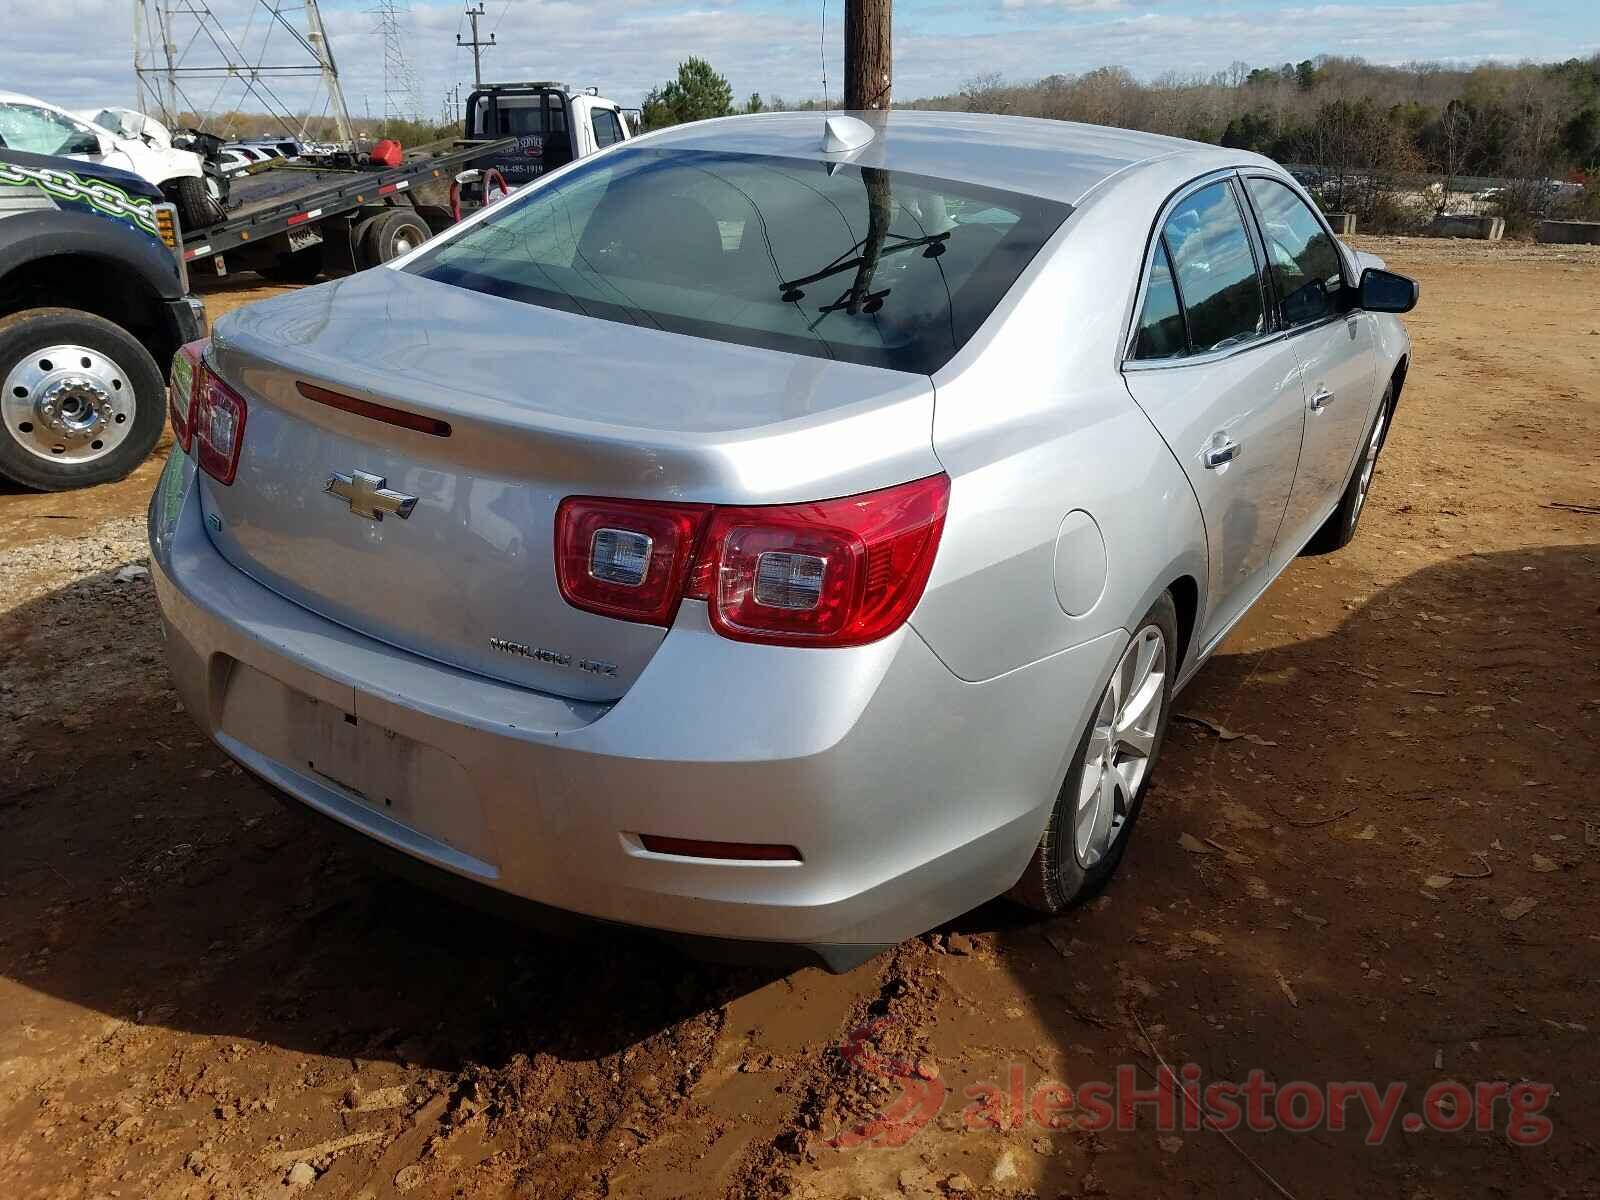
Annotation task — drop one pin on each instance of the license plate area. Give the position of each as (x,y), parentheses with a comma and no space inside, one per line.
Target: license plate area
(407,781)
(343,750)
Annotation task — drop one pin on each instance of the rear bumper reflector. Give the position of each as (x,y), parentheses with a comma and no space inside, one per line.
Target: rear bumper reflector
(373,411)
(742,851)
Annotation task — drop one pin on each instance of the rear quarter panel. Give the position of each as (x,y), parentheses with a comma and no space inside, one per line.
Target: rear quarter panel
(1033,422)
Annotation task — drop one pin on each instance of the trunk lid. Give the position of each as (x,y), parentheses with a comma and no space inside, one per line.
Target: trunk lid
(540,405)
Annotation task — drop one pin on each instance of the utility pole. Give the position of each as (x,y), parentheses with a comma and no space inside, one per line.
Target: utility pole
(867,73)
(477,54)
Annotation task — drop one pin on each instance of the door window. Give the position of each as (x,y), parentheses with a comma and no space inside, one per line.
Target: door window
(1215,268)
(1302,260)
(606,129)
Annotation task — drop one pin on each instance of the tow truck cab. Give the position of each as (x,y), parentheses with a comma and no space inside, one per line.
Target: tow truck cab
(552,124)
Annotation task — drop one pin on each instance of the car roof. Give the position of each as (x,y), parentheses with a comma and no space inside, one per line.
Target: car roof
(23,98)
(1056,160)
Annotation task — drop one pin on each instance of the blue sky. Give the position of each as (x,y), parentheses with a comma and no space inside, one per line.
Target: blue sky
(626,46)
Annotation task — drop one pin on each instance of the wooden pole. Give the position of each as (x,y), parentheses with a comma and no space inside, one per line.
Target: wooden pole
(867,73)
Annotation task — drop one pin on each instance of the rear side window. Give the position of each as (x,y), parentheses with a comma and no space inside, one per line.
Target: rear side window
(862,264)
(1161,332)
(1302,260)
(1215,267)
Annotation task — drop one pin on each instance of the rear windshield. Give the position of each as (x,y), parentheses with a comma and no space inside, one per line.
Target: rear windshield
(861,264)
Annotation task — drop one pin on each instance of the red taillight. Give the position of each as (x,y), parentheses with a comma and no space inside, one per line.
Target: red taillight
(185,373)
(207,415)
(218,419)
(625,558)
(831,573)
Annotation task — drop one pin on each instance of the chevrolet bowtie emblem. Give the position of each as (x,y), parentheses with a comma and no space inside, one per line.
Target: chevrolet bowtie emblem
(367,496)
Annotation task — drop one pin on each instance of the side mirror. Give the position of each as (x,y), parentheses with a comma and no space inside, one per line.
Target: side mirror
(1384,291)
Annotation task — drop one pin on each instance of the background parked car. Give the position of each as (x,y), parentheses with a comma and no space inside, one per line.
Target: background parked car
(232,159)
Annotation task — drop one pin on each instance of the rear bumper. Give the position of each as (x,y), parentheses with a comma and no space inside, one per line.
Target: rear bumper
(912,795)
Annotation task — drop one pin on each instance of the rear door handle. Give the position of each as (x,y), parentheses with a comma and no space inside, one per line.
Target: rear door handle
(1221,453)
(1321,399)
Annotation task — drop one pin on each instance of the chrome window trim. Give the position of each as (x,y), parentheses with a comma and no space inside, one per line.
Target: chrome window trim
(1126,359)
(1211,356)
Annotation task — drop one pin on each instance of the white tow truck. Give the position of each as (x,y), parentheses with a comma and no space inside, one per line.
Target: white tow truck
(552,125)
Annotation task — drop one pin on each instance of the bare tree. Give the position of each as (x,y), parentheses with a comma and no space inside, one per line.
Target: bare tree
(985,93)
(1458,143)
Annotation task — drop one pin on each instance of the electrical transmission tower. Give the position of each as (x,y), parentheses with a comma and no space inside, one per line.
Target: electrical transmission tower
(402,99)
(181,48)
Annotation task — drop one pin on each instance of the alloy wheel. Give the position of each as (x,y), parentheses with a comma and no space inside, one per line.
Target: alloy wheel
(1121,744)
(1368,463)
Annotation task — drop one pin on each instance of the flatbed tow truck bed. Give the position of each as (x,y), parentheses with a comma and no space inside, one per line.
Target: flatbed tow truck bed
(287,211)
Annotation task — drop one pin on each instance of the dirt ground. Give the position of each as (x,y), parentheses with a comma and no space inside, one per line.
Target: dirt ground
(1391,877)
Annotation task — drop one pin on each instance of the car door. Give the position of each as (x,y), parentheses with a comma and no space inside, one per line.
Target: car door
(1220,384)
(1333,342)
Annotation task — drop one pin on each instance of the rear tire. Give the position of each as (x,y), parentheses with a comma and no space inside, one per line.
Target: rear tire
(358,240)
(196,208)
(1093,819)
(1340,528)
(67,425)
(393,234)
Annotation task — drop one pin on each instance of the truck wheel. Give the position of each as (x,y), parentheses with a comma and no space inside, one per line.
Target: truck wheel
(300,267)
(392,234)
(358,239)
(196,207)
(83,401)
(218,187)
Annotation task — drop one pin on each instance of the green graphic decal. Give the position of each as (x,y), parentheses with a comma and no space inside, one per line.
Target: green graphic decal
(64,185)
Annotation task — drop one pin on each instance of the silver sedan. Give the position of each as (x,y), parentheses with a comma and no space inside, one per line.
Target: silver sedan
(781,530)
